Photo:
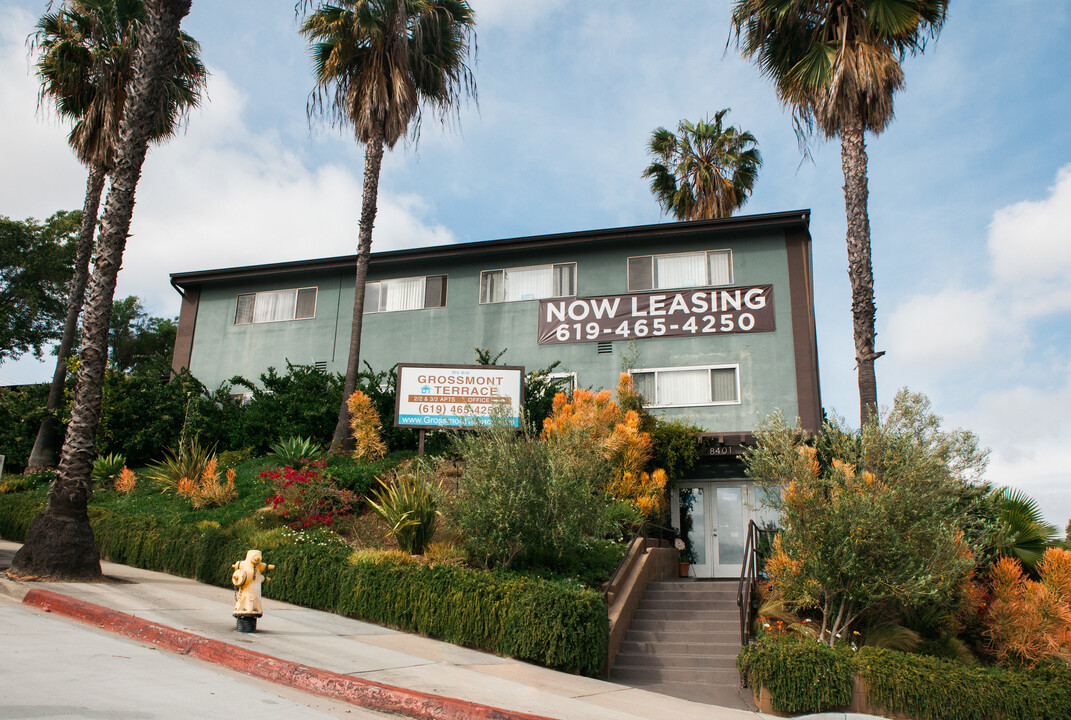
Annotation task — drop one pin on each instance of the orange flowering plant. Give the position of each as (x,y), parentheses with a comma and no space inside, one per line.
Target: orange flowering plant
(595,419)
(870,517)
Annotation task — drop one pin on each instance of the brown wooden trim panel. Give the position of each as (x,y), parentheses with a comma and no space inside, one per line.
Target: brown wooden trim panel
(804,334)
(184,335)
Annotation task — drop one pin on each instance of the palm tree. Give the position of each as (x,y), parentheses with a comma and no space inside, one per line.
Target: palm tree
(1023,534)
(376,62)
(836,63)
(705,172)
(59,542)
(86,52)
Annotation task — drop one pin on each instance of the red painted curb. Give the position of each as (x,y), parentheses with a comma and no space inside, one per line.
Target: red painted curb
(356,691)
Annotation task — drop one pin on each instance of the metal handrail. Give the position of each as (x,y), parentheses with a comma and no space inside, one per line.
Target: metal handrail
(640,532)
(749,580)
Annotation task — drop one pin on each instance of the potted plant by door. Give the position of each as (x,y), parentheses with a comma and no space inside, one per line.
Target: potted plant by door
(684,557)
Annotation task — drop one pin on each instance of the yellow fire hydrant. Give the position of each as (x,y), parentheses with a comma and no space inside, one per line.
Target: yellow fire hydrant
(247,578)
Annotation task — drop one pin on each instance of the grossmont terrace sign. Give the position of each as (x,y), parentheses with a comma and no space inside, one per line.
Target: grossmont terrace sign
(438,396)
(684,313)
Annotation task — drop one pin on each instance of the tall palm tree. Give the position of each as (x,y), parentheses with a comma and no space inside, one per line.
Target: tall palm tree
(86,50)
(376,62)
(60,541)
(836,63)
(707,171)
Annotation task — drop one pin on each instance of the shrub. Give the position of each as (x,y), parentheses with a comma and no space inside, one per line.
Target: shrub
(519,495)
(357,476)
(106,468)
(364,421)
(188,463)
(21,411)
(295,451)
(304,498)
(1029,621)
(410,509)
(126,481)
(871,518)
(208,490)
(801,676)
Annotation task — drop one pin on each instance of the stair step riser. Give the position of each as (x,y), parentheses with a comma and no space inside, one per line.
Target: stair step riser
(679,675)
(691,663)
(633,647)
(683,626)
(686,606)
(710,616)
(686,636)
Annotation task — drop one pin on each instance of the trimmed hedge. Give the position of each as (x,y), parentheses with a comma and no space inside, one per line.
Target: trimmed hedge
(806,677)
(529,619)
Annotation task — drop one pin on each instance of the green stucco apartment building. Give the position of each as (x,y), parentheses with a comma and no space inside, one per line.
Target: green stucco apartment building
(714,318)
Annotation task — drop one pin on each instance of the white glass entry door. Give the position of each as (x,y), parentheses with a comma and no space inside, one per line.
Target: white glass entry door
(713,518)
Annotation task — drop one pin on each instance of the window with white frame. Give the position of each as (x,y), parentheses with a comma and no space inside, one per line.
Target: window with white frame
(534,282)
(413,293)
(680,270)
(276,306)
(682,387)
(566,381)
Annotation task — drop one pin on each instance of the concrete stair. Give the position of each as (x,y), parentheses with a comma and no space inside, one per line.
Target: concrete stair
(683,641)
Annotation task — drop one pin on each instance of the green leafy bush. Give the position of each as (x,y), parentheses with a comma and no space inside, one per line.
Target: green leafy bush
(539,621)
(521,496)
(107,467)
(21,411)
(409,507)
(295,451)
(801,676)
(359,476)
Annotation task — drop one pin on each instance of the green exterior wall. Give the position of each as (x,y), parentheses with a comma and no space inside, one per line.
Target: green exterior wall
(767,361)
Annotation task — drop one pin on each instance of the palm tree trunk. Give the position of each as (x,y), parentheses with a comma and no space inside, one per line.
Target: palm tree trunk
(60,541)
(860,271)
(343,441)
(46,446)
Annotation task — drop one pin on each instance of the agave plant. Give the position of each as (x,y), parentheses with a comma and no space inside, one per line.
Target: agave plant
(409,506)
(295,451)
(106,468)
(187,463)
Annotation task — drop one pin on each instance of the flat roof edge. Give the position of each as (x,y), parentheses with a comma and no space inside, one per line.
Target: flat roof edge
(765,220)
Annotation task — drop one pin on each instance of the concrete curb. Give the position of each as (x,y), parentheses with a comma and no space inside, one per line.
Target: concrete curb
(357,691)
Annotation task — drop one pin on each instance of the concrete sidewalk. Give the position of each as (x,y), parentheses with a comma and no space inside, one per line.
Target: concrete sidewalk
(409,665)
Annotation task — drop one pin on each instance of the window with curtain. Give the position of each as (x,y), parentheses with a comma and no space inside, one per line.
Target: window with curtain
(534,282)
(276,306)
(682,387)
(415,293)
(680,270)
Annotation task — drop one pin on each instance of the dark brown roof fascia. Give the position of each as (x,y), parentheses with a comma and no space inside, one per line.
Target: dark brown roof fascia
(794,218)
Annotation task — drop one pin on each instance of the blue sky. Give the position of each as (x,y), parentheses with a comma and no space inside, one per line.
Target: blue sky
(970,187)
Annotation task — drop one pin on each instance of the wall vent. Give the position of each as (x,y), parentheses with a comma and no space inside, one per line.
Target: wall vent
(320,365)
(605,348)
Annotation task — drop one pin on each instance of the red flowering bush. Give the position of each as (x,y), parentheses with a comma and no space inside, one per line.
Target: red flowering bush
(304,498)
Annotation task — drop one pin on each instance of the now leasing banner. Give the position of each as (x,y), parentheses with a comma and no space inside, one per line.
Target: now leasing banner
(681,313)
(437,396)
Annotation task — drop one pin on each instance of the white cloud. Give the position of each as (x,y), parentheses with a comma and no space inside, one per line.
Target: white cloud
(991,343)
(217,195)
(510,13)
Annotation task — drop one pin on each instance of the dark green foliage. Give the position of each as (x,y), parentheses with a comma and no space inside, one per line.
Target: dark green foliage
(143,413)
(925,687)
(138,341)
(21,410)
(36,262)
(801,675)
(360,476)
(674,447)
(552,623)
(303,402)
